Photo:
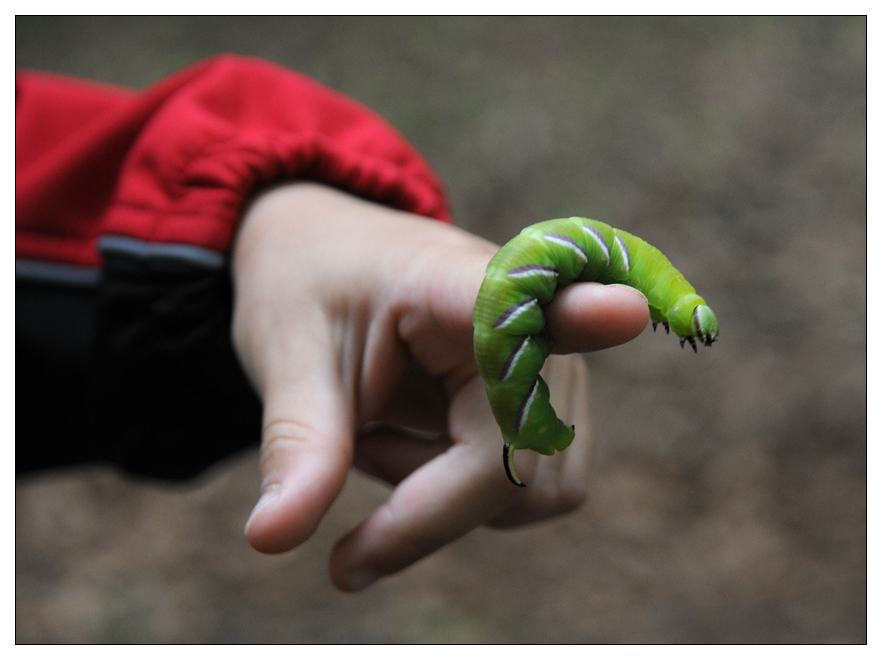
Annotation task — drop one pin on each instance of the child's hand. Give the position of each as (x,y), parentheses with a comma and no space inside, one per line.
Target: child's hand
(347,313)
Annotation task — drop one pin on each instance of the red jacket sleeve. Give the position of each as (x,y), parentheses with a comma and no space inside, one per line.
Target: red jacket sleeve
(174,163)
(126,206)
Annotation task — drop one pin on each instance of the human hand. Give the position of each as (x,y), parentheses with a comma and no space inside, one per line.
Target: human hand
(354,323)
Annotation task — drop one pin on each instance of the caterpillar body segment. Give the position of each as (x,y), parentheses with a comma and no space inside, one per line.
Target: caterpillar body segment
(508,319)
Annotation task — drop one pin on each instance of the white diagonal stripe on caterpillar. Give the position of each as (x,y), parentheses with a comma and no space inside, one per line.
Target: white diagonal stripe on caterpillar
(531,270)
(597,237)
(625,254)
(513,357)
(568,242)
(524,410)
(512,313)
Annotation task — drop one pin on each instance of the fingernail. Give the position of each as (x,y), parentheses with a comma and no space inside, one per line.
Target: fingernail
(269,494)
(631,288)
(361,578)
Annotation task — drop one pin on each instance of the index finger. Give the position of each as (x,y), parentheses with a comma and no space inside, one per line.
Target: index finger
(588,316)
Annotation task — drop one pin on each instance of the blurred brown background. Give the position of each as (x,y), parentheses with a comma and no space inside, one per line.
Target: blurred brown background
(728,499)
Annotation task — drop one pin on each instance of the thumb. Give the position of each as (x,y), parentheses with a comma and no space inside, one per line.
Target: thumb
(306,447)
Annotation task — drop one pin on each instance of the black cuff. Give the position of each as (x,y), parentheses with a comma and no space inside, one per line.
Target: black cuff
(158,391)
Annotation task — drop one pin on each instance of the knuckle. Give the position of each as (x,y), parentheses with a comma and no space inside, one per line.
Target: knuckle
(403,546)
(285,439)
(280,438)
(286,430)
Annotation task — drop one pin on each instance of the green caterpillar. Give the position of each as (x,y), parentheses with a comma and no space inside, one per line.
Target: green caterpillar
(522,277)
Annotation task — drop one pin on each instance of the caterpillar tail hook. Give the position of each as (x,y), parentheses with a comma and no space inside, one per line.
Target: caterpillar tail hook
(508,461)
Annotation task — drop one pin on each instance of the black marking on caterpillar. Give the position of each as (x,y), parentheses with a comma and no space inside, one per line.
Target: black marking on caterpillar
(508,462)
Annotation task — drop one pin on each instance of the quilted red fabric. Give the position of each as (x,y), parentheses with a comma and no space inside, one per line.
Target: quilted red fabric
(174,163)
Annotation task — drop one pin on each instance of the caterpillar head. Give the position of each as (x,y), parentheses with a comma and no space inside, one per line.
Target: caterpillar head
(704,325)
(693,320)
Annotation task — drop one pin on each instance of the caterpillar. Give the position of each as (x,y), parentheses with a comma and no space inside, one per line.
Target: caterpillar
(522,277)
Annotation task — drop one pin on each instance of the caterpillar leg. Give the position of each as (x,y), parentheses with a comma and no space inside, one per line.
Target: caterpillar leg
(664,323)
(508,462)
